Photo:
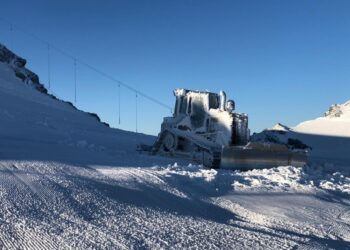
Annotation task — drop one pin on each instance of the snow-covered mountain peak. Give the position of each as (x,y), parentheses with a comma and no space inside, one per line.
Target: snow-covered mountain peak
(18,66)
(280,127)
(339,111)
(336,122)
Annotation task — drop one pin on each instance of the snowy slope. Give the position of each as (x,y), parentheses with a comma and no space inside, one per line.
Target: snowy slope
(329,136)
(336,122)
(68,181)
(31,118)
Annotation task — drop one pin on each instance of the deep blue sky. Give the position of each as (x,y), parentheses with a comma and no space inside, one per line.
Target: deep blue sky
(281,61)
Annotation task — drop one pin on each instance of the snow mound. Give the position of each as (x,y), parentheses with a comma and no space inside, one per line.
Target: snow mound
(281,179)
(193,171)
(291,179)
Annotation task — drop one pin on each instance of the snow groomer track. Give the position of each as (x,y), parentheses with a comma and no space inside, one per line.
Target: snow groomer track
(56,206)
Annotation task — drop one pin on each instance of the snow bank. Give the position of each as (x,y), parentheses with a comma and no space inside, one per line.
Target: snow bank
(291,179)
(281,179)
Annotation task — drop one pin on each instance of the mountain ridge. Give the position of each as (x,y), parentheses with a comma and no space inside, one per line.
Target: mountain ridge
(28,77)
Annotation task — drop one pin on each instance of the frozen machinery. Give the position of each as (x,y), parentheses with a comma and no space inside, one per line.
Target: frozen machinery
(205,128)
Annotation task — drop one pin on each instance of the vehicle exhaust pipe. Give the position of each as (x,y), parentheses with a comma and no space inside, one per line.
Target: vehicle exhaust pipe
(222,95)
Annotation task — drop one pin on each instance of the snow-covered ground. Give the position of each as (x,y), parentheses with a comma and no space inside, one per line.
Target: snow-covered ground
(70,182)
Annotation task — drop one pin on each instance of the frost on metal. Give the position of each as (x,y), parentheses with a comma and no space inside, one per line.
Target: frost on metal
(205,113)
(202,123)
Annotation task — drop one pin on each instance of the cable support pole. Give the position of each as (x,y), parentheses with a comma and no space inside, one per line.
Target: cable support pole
(125,85)
(119,89)
(48,65)
(136,112)
(75,81)
(11,35)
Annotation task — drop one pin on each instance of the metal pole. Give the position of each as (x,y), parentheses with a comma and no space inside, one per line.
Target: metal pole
(48,65)
(11,34)
(136,114)
(119,89)
(75,80)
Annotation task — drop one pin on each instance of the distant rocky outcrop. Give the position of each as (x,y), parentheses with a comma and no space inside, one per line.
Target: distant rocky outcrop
(28,77)
(280,134)
(280,127)
(18,65)
(338,110)
(334,111)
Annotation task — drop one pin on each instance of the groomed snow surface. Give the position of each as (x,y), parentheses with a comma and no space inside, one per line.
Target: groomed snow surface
(69,182)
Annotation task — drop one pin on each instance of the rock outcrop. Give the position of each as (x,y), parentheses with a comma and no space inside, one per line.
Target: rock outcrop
(338,110)
(18,64)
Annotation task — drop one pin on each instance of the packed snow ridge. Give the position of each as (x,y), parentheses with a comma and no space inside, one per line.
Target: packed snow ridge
(69,182)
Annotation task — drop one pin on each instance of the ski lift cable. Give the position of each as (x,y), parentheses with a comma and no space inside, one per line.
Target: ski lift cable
(98,71)
(13,27)
(125,85)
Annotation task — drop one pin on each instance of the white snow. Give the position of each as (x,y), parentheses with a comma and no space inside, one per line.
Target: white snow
(329,136)
(336,122)
(280,127)
(69,182)
(325,126)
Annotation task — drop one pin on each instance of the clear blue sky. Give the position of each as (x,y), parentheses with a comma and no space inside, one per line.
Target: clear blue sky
(281,61)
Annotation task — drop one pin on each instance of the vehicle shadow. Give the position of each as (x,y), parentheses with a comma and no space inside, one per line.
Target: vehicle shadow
(148,196)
